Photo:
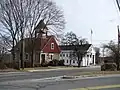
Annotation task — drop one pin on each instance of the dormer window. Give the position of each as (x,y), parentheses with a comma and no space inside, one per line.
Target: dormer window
(52,45)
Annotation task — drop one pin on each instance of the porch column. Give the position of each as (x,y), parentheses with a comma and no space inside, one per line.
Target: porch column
(85,60)
(40,58)
(94,60)
(89,60)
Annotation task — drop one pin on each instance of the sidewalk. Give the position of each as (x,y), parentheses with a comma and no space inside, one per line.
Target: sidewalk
(4,73)
(62,68)
(10,71)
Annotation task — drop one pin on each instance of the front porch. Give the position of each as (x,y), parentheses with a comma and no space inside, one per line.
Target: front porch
(45,57)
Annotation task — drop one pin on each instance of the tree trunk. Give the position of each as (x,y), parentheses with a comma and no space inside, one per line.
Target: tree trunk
(79,61)
(118,66)
(117,63)
(22,53)
(32,58)
(13,54)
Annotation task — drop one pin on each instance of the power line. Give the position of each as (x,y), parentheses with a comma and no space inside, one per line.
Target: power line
(118,12)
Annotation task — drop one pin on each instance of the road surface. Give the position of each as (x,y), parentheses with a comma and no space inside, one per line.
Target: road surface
(111,82)
(50,80)
(43,74)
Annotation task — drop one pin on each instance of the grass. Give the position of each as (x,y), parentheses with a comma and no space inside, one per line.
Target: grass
(96,73)
(36,68)
(62,67)
(100,87)
(22,70)
(49,67)
(8,70)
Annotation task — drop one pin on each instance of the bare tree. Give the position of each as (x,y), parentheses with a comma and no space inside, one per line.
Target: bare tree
(97,55)
(13,20)
(6,20)
(113,51)
(44,14)
(69,38)
(79,52)
(20,17)
(4,46)
(76,44)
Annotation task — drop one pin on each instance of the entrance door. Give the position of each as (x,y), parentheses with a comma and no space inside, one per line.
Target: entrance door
(43,58)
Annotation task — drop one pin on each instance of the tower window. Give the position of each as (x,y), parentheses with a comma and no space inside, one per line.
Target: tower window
(52,45)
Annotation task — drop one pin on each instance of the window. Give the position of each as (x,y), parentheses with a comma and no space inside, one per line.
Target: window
(66,55)
(52,45)
(87,55)
(51,57)
(67,61)
(63,55)
(73,61)
(26,56)
(60,55)
(90,56)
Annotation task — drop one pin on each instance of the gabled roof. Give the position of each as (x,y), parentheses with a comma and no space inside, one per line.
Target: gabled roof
(44,41)
(41,25)
(83,47)
(40,43)
(37,43)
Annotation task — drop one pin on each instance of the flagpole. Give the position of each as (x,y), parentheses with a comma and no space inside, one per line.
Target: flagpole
(91,35)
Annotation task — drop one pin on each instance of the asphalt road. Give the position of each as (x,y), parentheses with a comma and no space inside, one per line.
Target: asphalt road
(36,84)
(43,74)
(43,81)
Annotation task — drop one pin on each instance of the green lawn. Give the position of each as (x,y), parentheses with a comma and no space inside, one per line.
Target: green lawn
(36,68)
(100,87)
(95,73)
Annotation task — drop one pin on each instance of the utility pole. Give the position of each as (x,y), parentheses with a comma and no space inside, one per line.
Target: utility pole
(118,47)
(22,49)
(118,4)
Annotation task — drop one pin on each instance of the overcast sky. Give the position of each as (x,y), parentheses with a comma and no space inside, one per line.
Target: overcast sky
(101,16)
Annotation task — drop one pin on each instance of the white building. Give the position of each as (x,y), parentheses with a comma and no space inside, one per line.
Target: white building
(68,51)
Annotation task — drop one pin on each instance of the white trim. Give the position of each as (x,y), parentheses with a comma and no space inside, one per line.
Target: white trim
(86,59)
(52,46)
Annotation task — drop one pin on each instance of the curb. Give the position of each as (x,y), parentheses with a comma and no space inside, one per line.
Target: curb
(2,73)
(55,69)
(52,69)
